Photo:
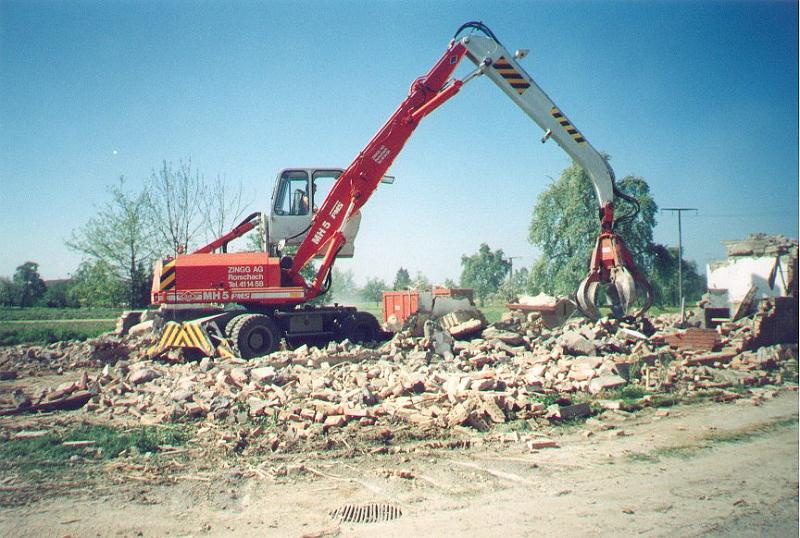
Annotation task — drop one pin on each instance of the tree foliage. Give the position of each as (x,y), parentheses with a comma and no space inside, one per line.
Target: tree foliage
(373,291)
(186,210)
(343,285)
(565,227)
(8,293)
(119,235)
(96,283)
(402,280)
(420,282)
(223,207)
(58,295)
(484,271)
(28,285)
(663,275)
(175,194)
(514,286)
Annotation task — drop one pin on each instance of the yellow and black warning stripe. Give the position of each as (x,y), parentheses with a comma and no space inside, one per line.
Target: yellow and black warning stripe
(167,276)
(565,123)
(514,77)
(171,333)
(188,335)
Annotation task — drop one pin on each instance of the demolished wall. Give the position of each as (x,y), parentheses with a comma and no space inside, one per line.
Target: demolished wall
(749,263)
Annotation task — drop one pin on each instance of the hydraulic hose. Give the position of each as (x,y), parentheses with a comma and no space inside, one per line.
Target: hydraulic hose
(476,25)
(631,200)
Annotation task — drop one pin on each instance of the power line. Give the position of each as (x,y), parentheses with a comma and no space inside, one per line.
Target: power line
(738,215)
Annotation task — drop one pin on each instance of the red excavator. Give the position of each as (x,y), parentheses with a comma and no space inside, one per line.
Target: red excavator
(252,300)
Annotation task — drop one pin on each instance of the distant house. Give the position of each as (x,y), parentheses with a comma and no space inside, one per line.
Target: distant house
(56,282)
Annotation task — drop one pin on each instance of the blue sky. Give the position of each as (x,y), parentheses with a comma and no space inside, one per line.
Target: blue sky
(699,98)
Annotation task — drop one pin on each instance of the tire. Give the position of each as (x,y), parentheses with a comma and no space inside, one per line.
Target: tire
(254,335)
(361,327)
(232,325)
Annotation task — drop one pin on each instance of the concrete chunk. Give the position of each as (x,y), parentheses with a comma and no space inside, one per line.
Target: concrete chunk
(576,344)
(265,374)
(605,382)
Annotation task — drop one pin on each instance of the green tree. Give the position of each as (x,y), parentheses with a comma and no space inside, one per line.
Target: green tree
(420,282)
(57,295)
(663,276)
(223,207)
(565,227)
(255,239)
(484,271)
(514,286)
(402,280)
(28,284)
(8,292)
(173,195)
(374,289)
(119,235)
(96,283)
(343,285)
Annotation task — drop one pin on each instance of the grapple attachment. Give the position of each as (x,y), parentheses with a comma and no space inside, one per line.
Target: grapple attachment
(612,267)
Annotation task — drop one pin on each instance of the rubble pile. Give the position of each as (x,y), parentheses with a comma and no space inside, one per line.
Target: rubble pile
(514,369)
(68,355)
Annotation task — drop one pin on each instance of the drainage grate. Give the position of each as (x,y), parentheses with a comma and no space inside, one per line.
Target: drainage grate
(366,513)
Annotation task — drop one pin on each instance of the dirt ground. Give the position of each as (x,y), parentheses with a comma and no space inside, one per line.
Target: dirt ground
(703,469)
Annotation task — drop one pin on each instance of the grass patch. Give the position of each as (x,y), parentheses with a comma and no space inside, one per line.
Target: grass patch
(545,399)
(643,457)
(108,443)
(46,333)
(10,313)
(739,436)
(493,312)
(630,395)
(710,441)
(518,425)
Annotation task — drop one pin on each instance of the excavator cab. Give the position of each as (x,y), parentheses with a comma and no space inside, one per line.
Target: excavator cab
(297,194)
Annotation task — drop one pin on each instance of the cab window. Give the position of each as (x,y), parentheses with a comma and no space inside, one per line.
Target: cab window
(292,196)
(323,181)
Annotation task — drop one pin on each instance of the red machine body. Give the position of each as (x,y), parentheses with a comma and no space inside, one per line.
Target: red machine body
(243,277)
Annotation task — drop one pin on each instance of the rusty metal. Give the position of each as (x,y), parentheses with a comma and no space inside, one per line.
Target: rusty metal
(367,513)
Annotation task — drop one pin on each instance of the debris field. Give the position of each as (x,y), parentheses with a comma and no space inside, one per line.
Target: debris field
(434,385)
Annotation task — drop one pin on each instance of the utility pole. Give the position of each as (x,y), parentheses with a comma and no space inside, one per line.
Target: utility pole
(680,211)
(511,266)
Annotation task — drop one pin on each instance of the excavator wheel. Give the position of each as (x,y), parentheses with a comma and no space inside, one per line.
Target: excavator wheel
(232,326)
(254,335)
(361,327)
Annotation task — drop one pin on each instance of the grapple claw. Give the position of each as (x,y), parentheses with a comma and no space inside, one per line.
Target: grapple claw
(612,266)
(649,296)
(587,297)
(625,286)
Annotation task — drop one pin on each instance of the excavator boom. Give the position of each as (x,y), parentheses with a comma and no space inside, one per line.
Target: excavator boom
(359,180)
(611,264)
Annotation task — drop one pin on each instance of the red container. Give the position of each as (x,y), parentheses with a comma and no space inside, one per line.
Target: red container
(404,303)
(400,303)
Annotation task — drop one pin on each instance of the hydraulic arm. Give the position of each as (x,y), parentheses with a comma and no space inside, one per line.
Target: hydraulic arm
(611,263)
(359,180)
